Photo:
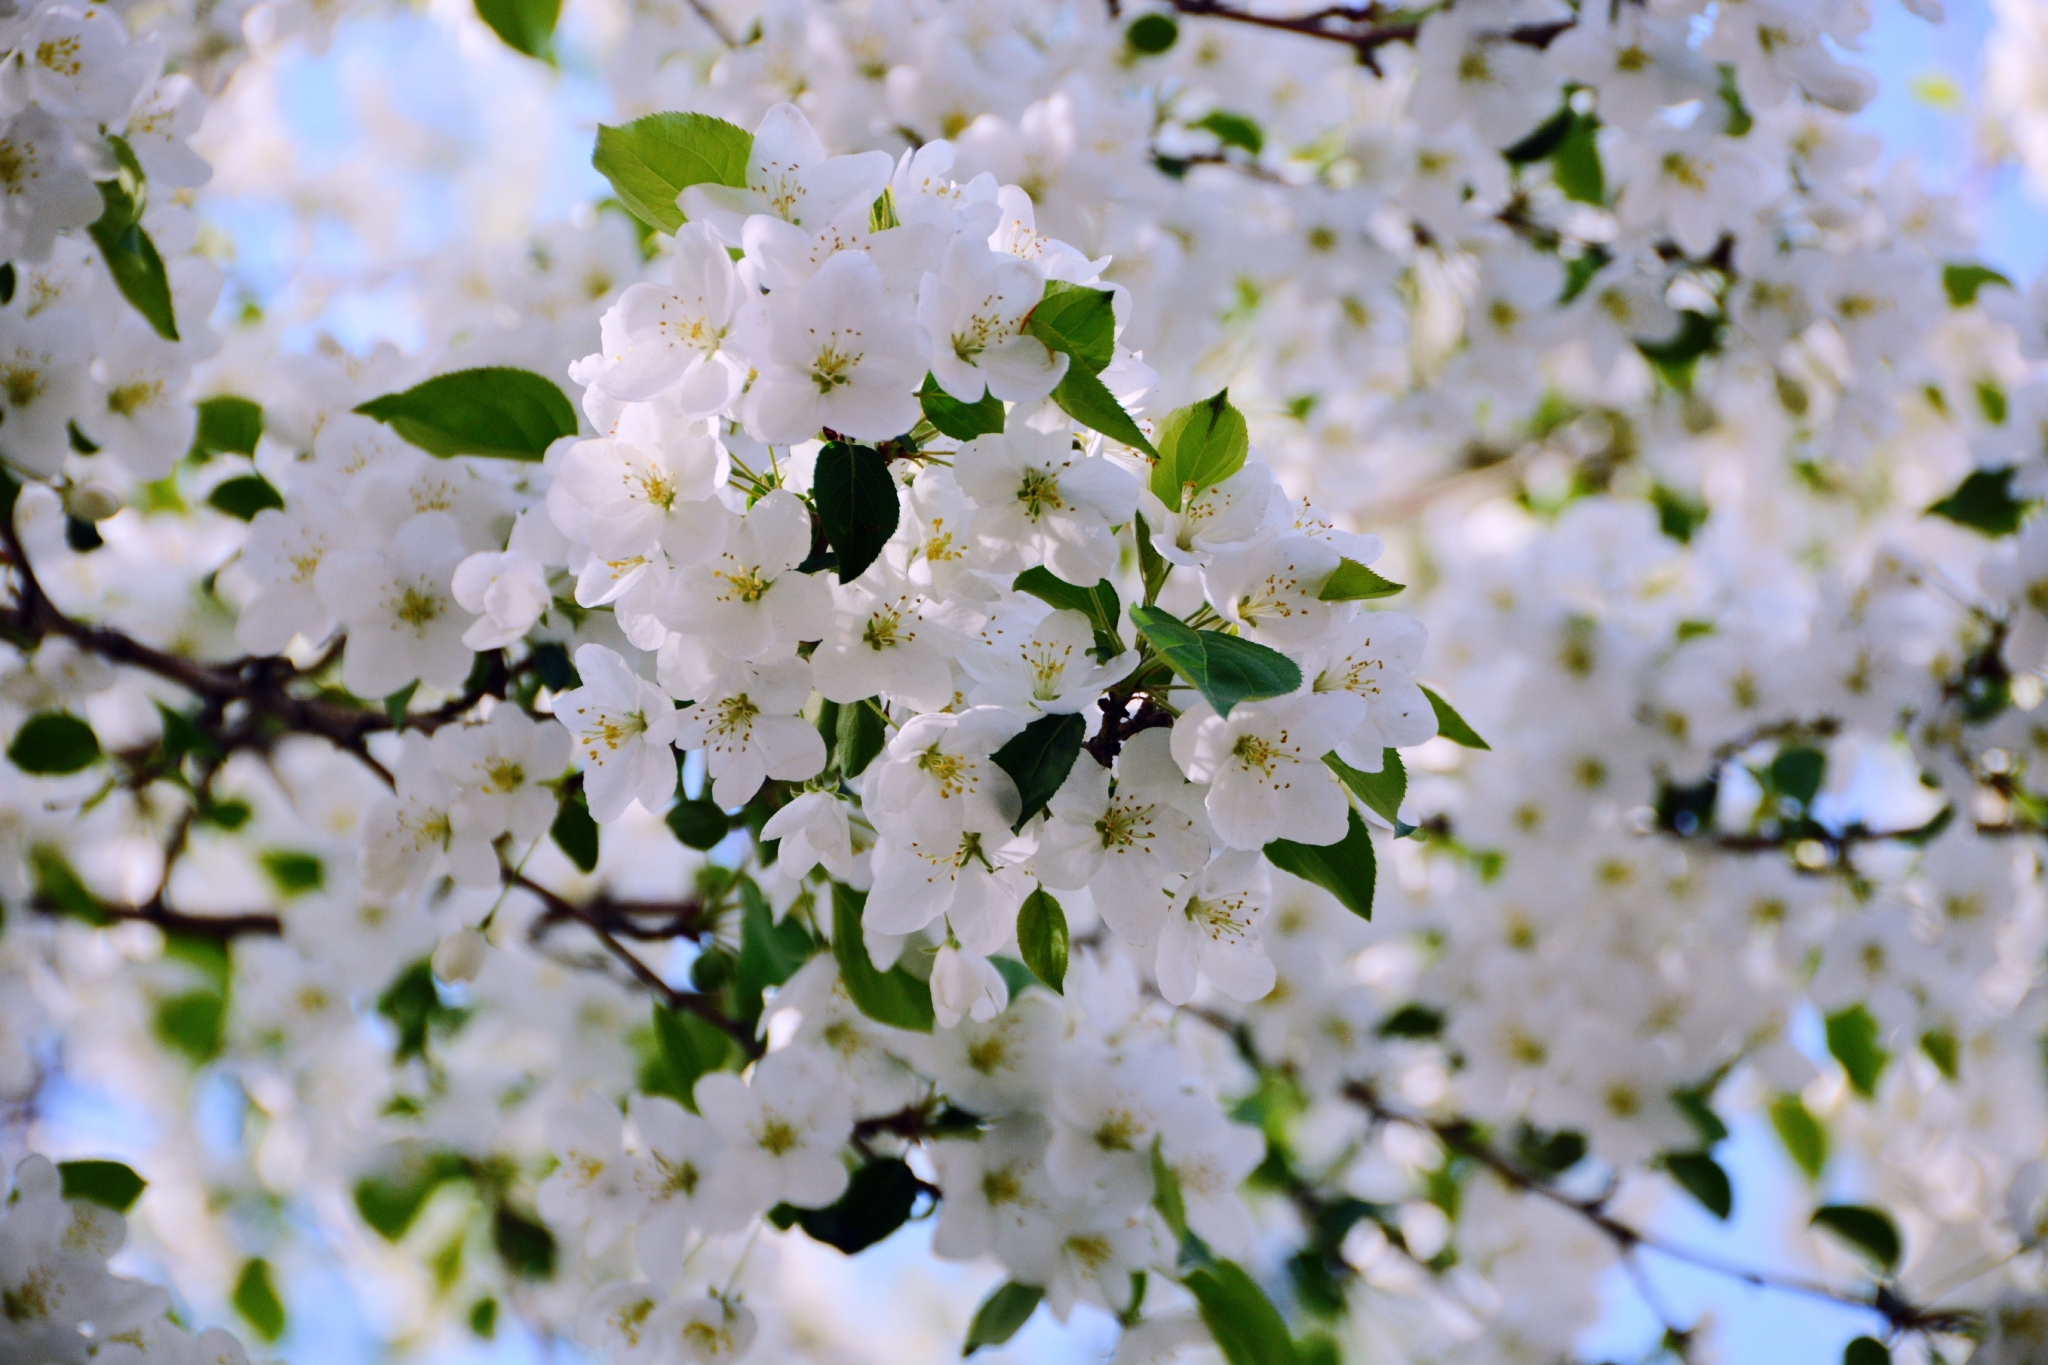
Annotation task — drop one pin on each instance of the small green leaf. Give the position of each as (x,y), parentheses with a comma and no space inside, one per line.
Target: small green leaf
(1042,938)
(1551,1153)
(243,497)
(1963,279)
(1941,1049)
(652,160)
(690,1048)
(575,833)
(291,872)
(1870,1231)
(1353,582)
(1736,119)
(698,824)
(1200,446)
(894,997)
(192,1023)
(1001,1315)
(256,1300)
(227,426)
(1223,668)
(390,1198)
(399,702)
(1702,1177)
(1233,130)
(523,1243)
(1084,398)
(861,736)
(1866,1351)
(527,26)
(1076,320)
(496,411)
(1166,1195)
(1100,603)
(1984,503)
(52,743)
(1412,1021)
(858,504)
(1575,162)
(110,1184)
(1345,869)
(131,257)
(1696,1104)
(1797,772)
(1152,34)
(1153,567)
(1451,725)
(1853,1041)
(1805,1140)
(1247,1328)
(877,1201)
(961,421)
(1038,759)
(770,953)
(1382,791)
(483,1318)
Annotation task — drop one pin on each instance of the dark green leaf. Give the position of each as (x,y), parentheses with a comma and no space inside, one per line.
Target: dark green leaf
(256,1300)
(961,421)
(398,703)
(1002,1313)
(1853,1041)
(1076,320)
(1869,1230)
(1084,398)
(82,536)
(227,426)
(894,997)
(1703,1179)
(527,26)
(1964,278)
(1675,357)
(1042,938)
(858,504)
(390,1199)
(1412,1021)
(1100,603)
(483,1318)
(132,258)
(1940,1047)
(1345,869)
(1541,140)
(192,1023)
(575,833)
(291,872)
(1696,1104)
(1152,34)
(1679,515)
(244,497)
(1247,1328)
(1575,162)
(1017,977)
(1166,1195)
(6,283)
(51,743)
(1797,773)
(523,1243)
(1805,1140)
(1451,725)
(1866,1351)
(1984,503)
(1233,130)
(1223,668)
(770,953)
(1353,582)
(1382,791)
(653,159)
(1038,759)
(698,824)
(110,1184)
(182,737)
(877,1201)
(58,886)
(861,737)
(413,1006)
(1550,1153)
(1152,566)
(496,410)
(689,1048)
(1200,446)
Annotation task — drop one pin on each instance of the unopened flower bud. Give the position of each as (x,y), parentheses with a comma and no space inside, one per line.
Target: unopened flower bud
(92,500)
(460,956)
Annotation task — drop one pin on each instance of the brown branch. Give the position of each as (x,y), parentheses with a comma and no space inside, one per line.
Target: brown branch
(1355,27)
(222,927)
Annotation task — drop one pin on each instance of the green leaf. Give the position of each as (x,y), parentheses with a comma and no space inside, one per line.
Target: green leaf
(523,1243)
(653,159)
(52,743)
(770,953)
(1869,1230)
(1451,725)
(413,1006)
(1702,1177)
(192,1023)
(1084,398)
(1166,1195)
(1233,130)
(256,1300)
(1223,668)
(877,1201)
(689,1048)
(1247,1328)
(227,426)
(1152,566)
(1382,791)
(1200,446)
(862,735)
(1100,603)
(1797,772)
(1353,582)
(1412,1021)
(1038,758)
(291,872)
(1679,515)
(894,997)
(858,504)
(1984,503)
(110,1184)
(243,497)
(1345,869)
(1804,1138)
(527,26)
(1866,1351)
(961,421)
(1042,938)
(1963,279)
(390,1199)
(1675,357)
(1575,162)
(575,833)
(1076,320)
(497,411)
(483,1318)
(1541,140)
(1001,1315)
(1853,1041)
(399,702)
(1551,1153)
(1736,120)
(698,824)
(1152,34)
(131,257)
(1941,1049)
(58,885)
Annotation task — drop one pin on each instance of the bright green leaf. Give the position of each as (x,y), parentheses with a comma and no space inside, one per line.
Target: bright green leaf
(1247,1328)
(1223,668)
(1345,869)
(256,1300)
(1353,582)
(1001,1315)
(132,257)
(894,997)
(1804,1138)
(1382,791)
(527,26)
(1964,278)
(496,410)
(1853,1041)
(1166,1195)
(1076,320)
(1084,398)
(652,160)
(961,421)
(1042,937)
(1200,446)
(1451,725)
